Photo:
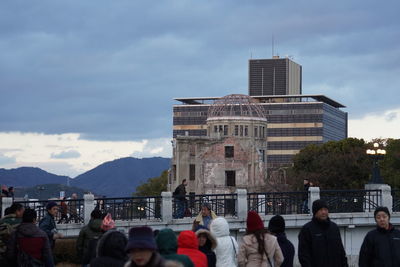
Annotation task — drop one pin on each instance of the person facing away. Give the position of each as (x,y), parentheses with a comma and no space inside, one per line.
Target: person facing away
(180,196)
(227,249)
(259,248)
(381,246)
(167,244)
(306,185)
(48,225)
(88,237)
(110,250)
(14,215)
(63,211)
(142,248)
(320,243)
(203,220)
(207,245)
(189,245)
(277,227)
(29,244)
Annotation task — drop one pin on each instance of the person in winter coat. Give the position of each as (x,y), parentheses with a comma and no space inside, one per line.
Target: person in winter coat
(63,211)
(180,199)
(381,246)
(259,248)
(320,243)
(188,245)
(110,250)
(29,239)
(168,245)
(88,238)
(227,248)
(142,248)
(203,220)
(277,227)
(48,225)
(14,215)
(207,243)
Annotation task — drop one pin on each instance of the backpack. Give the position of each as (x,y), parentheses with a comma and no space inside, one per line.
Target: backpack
(6,231)
(26,260)
(176,192)
(91,251)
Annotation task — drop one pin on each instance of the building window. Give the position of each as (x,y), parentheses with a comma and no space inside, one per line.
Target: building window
(220,128)
(230,178)
(241,130)
(174,172)
(229,152)
(225,129)
(192,172)
(255,131)
(261,155)
(215,128)
(236,130)
(246,130)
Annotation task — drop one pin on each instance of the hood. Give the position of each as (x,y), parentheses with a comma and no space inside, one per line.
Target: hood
(188,239)
(112,244)
(211,240)
(95,225)
(219,227)
(167,242)
(11,219)
(28,230)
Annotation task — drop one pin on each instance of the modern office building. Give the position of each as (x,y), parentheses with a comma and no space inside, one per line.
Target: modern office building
(276,76)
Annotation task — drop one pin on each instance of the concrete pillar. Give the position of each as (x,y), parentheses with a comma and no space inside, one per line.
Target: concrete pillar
(151,205)
(241,204)
(166,207)
(88,206)
(387,199)
(6,202)
(372,199)
(261,205)
(313,194)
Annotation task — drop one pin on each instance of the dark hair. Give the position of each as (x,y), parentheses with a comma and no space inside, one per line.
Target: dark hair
(184,180)
(7,211)
(10,188)
(29,216)
(96,214)
(14,207)
(259,234)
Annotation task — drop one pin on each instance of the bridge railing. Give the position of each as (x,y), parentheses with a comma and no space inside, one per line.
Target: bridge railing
(278,202)
(396,199)
(340,201)
(130,208)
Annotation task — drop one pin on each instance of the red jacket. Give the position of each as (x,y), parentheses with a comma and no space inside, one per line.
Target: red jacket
(188,245)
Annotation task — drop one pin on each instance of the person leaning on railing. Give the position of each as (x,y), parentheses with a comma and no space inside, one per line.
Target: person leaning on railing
(48,225)
(180,196)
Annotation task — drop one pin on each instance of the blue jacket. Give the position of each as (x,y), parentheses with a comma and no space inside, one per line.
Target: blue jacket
(48,225)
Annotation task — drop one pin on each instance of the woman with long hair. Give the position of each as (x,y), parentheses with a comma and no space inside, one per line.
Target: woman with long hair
(259,248)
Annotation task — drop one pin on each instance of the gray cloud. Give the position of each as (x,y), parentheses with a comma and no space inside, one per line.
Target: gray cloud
(4,160)
(66,155)
(110,70)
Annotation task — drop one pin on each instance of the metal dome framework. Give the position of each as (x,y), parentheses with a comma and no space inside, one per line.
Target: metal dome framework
(236,105)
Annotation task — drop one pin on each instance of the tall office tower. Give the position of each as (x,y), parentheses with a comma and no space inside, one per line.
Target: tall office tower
(276,76)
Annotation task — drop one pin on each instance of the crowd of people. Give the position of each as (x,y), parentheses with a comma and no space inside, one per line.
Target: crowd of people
(207,244)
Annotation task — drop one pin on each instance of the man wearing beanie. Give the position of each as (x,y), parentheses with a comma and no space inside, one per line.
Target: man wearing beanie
(142,248)
(320,243)
(48,224)
(381,246)
(277,227)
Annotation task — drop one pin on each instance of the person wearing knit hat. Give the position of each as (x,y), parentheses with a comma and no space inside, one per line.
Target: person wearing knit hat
(277,227)
(381,246)
(320,243)
(259,247)
(48,224)
(142,248)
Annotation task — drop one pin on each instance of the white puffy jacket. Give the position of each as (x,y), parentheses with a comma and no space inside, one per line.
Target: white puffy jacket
(227,248)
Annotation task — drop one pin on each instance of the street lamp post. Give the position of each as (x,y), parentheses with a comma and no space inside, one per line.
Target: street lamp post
(376,154)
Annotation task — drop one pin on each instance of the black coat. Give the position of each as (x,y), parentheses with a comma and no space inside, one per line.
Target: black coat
(320,245)
(287,250)
(381,247)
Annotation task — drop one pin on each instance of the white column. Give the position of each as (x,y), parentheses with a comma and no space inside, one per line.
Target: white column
(241,204)
(6,202)
(88,206)
(312,196)
(166,207)
(151,204)
(387,199)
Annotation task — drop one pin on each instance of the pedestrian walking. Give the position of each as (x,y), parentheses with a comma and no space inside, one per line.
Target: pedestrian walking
(180,199)
(111,250)
(381,246)
(277,227)
(167,244)
(188,245)
(320,243)
(203,220)
(259,248)
(306,186)
(207,245)
(227,249)
(48,225)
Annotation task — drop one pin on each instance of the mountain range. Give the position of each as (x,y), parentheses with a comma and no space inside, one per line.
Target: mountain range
(117,178)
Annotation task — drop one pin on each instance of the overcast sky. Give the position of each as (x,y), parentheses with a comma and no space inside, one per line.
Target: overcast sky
(83,82)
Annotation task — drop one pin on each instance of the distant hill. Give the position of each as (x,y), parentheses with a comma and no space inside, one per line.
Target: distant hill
(29,176)
(119,178)
(46,191)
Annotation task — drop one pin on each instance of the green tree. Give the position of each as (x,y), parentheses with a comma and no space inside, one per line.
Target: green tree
(153,186)
(332,165)
(390,165)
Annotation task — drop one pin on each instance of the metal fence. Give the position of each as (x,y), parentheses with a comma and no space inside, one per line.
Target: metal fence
(351,200)
(221,204)
(278,202)
(131,208)
(69,211)
(396,199)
